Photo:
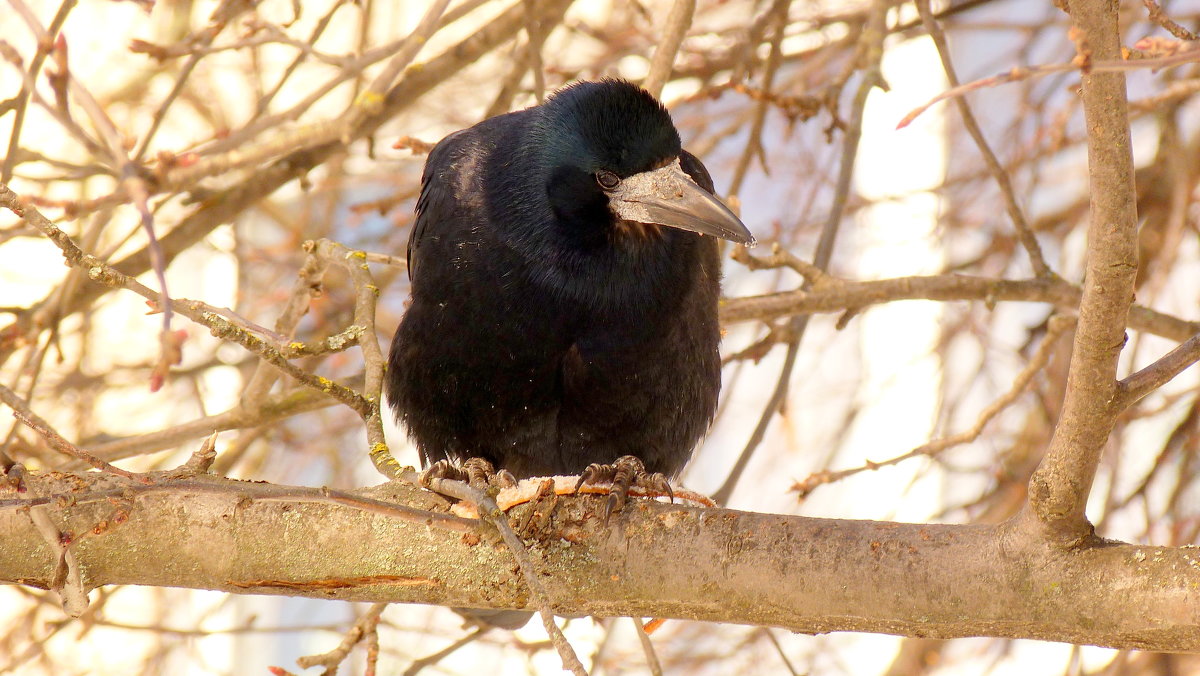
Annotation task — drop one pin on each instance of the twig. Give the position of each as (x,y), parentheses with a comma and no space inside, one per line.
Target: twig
(32,420)
(364,626)
(370,101)
(491,513)
(1057,325)
(68,579)
(371,640)
(62,116)
(1154,376)
(766,631)
(778,13)
(366,293)
(1175,91)
(652,663)
(270,35)
(536,35)
(813,275)
(1024,233)
(104,126)
(1177,442)
(1019,73)
(306,287)
(778,16)
(105,274)
(201,460)
(672,34)
(306,48)
(509,87)
(271,409)
(385,259)
(22,103)
(1158,16)
(308,153)
(131,179)
(848,294)
(429,660)
(223,15)
(872,50)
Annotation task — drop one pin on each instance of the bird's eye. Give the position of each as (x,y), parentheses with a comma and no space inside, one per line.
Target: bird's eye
(607,179)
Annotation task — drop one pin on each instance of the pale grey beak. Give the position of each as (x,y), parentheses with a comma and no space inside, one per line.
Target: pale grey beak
(668,196)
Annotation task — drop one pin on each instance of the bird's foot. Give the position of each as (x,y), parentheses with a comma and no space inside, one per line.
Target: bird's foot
(625,472)
(476,472)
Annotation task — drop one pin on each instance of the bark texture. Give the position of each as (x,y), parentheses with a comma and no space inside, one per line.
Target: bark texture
(806,575)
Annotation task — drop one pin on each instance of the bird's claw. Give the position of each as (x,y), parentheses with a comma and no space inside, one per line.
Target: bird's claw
(624,473)
(478,473)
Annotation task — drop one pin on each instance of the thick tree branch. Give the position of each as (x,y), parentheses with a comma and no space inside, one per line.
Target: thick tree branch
(1059,488)
(807,575)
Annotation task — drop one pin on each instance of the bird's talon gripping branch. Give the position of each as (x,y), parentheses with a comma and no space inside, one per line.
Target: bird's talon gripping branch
(442,469)
(624,473)
(477,472)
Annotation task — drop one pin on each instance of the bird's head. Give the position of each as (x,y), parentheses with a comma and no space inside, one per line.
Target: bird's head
(613,157)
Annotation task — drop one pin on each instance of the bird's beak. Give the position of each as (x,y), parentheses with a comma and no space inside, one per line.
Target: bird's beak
(668,196)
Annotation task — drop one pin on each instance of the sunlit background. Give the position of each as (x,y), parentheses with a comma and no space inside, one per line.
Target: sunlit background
(895,377)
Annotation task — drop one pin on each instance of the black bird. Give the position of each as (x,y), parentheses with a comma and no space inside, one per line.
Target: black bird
(555,322)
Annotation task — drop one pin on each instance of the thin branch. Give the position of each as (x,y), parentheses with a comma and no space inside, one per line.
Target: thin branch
(678,22)
(429,660)
(306,287)
(366,293)
(871,46)
(1186,54)
(306,48)
(32,420)
(652,663)
(68,578)
(1158,16)
(491,513)
(22,103)
(105,274)
(1057,326)
(59,114)
(131,178)
(364,626)
(770,634)
(1154,376)
(536,34)
(271,409)
(219,207)
(778,17)
(371,100)
(1024,233)
(855,295)
(223,15)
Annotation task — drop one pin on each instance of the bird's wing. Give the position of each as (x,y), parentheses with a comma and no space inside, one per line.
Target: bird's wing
(435,189)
